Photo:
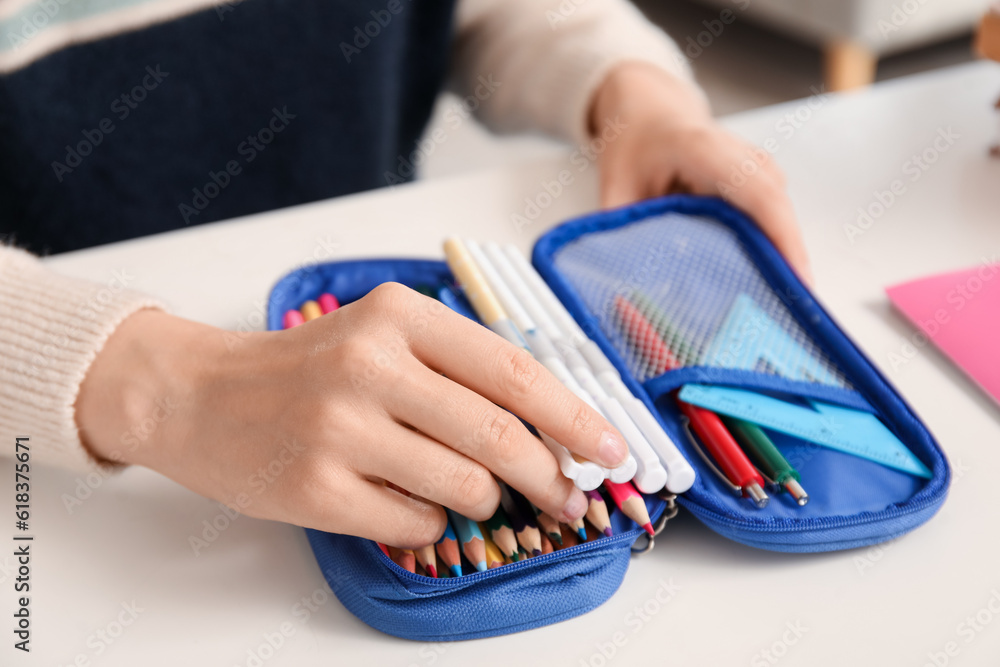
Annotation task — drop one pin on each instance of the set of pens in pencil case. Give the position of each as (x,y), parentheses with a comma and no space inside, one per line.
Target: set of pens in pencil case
(736,392)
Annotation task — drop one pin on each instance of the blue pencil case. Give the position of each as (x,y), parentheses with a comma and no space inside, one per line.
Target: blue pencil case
(705,268)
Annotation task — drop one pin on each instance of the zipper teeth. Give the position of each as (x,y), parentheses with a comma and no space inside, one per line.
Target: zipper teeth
(558,239)
(509,567)
(815,523)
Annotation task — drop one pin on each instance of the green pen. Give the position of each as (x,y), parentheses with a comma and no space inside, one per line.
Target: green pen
(766,457)
(667,331)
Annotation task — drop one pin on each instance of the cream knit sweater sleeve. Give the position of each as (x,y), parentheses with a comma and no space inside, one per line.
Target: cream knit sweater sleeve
(535,64)
(51,329)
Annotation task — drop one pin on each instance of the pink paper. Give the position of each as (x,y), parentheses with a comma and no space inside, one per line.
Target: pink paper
(960,313)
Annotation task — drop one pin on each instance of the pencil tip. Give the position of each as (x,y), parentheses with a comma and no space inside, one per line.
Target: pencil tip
(607,532)
(556,537)
(649,529)
(431,570)
(582,532)
(481,566)
(536,552)
(456,570)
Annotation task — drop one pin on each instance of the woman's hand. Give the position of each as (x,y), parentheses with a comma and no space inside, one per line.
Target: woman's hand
(671,143)
(304,425)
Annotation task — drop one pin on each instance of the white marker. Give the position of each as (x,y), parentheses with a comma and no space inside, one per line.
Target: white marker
(586,475)
(649,474)
(543,350)
(680,474)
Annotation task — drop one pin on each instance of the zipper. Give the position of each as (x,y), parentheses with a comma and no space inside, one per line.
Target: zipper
(811,316)
(817,523)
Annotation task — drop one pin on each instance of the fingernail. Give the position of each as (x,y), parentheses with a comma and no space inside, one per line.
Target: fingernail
(612,451)
(576,506)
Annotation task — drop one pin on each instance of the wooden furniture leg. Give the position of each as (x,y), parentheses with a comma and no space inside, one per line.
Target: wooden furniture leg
(849,65)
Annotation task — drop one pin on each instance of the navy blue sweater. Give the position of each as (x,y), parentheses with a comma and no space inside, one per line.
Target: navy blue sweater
(229,111)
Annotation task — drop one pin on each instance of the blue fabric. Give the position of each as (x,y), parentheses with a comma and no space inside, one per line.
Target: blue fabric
(711,302)
(855,502)
(349,281)
(328,118)
(525,595)
(522,596)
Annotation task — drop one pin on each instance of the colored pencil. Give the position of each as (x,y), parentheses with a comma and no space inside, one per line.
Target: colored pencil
(384,549)
(570,537)
(473,282)
(645,341)
(425,554)
(630,503)
(327,303)
(667,332)
(522,518)
(494,557)
(427,559)
(471,539)
(310,310)
(447,549)
(597,513)
(502,532)
(548,524)
(292,318)
(579,527)
(403,558)
(547,547)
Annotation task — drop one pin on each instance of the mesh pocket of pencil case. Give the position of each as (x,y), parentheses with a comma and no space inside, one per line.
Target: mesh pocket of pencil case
(684,291)
(518,596)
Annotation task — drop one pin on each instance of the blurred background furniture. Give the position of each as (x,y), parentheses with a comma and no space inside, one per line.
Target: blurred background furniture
(988,46)
(988,35)
(854,34)
(747,64)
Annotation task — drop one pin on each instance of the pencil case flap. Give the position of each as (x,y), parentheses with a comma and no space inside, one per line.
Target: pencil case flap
(732,313)
(519,596)
(349,280)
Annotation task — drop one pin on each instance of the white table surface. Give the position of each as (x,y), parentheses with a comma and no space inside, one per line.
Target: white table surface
(890,605)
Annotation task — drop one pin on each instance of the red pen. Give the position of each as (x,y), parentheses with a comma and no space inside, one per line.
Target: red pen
(723,448)
(644,337)
(710,429)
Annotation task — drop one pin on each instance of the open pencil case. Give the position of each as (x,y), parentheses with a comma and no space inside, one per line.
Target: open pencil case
(720,282)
